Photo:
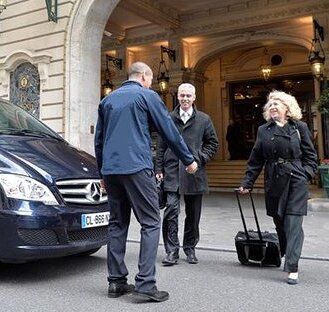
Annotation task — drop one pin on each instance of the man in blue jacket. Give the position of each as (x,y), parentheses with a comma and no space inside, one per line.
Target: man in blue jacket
(124,158)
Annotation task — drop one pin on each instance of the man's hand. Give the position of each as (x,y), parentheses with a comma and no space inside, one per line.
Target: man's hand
(159,176)
(102,183)
(192,168)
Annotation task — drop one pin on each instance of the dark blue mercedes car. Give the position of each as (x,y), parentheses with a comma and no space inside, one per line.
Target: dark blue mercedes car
(51,201)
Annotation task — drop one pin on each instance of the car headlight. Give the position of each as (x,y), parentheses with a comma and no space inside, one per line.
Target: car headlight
(25,188)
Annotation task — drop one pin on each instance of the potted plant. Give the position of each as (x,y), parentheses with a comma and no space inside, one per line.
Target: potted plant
(324,173)
(323,102)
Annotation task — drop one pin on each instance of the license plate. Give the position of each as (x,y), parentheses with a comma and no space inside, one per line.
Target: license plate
(95,219)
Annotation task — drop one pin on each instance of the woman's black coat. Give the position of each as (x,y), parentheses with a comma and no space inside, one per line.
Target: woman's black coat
(290,162)
(200,136)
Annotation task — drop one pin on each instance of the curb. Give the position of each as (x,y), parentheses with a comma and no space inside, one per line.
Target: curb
(229,250)
(318,204)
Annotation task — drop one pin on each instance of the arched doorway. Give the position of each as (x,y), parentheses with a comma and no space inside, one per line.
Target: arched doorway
(233,88)
(206,66)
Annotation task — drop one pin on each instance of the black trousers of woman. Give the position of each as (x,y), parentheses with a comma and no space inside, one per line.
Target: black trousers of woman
(291,238)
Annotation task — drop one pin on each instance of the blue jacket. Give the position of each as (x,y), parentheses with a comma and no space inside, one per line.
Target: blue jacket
(123,131)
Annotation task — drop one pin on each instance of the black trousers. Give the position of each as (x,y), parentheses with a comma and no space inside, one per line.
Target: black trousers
(137,192)
(291,238)
(170,223)
(193,204)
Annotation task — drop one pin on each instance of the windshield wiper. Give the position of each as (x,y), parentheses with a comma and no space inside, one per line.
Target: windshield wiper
(40,134)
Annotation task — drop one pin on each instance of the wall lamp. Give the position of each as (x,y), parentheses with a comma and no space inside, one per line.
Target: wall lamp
(52,10)
(163,73)
(3,5)
(316,55)
(108,85)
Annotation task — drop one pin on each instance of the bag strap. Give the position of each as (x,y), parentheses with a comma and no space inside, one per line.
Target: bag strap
(298,132)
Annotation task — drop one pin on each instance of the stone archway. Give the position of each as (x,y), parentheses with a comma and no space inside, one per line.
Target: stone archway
(218,73)
(82,72)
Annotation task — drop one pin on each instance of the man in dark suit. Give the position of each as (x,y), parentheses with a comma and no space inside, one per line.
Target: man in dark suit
(200,136)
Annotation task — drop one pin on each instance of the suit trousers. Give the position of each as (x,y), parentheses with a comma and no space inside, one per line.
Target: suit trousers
(191,237)
(137,192)
(170,223)
(291,238)
(193,204)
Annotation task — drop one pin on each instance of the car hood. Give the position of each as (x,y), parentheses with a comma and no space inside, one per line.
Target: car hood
(50,158)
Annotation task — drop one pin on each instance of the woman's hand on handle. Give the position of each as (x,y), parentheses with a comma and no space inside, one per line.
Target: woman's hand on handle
(243,190)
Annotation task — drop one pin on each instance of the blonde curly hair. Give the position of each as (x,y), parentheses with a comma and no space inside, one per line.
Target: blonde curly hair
(294,112)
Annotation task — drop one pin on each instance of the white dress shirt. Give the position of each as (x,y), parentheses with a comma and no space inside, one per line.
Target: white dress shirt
(185,116)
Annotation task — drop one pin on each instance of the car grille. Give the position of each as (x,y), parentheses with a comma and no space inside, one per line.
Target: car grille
(96,234)
(82,191)
(45,237)
(38,237)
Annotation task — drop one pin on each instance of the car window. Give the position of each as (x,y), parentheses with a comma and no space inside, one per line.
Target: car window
(15,120)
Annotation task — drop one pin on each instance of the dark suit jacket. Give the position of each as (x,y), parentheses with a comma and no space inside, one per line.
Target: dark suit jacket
(201,139)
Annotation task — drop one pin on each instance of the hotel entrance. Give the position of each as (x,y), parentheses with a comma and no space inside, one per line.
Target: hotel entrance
(248,99)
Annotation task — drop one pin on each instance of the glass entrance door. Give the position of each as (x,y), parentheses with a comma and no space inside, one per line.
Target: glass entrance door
(247,100)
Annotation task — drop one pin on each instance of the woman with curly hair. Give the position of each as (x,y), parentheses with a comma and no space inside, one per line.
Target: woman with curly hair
(284,147)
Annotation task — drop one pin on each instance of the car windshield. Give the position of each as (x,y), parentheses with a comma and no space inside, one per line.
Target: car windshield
(14,120)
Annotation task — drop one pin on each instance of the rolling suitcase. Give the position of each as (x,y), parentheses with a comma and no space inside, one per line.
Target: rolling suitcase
(256,247)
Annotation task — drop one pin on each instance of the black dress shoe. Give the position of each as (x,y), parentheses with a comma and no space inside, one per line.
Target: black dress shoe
(118,289)
(192,259)
(170,259)
(154,295)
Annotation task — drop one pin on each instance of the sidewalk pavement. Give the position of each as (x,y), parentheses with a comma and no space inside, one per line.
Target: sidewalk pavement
(220,221)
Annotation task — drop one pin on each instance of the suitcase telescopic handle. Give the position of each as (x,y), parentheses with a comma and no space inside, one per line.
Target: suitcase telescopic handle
(237,192)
